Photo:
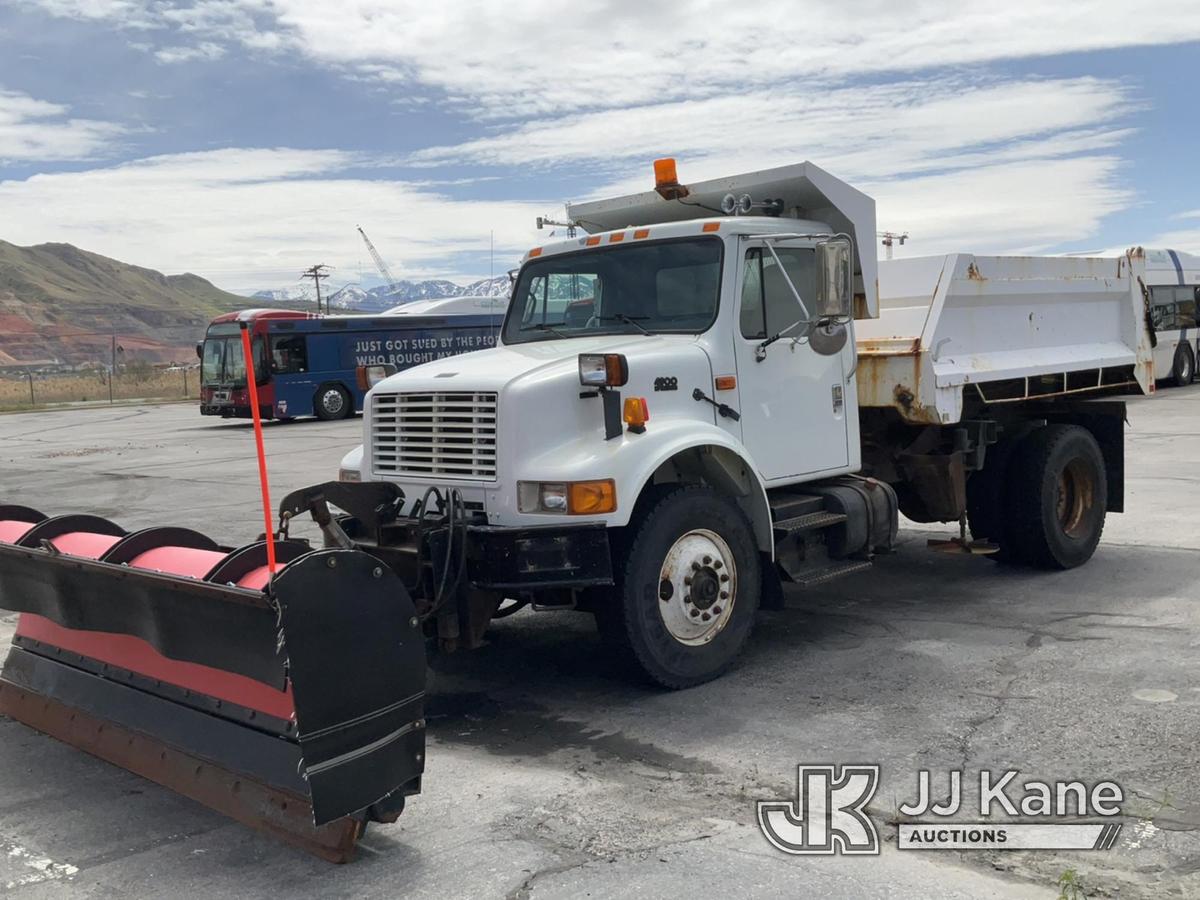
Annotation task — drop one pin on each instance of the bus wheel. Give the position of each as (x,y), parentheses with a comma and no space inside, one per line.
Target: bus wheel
(1184,369)
(332,402)
(1059,495)
(687,590)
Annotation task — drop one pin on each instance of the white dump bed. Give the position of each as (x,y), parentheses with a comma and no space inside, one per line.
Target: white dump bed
(1000,329)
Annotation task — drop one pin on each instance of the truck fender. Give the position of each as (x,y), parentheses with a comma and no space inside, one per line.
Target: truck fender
(704,451)
(353,461)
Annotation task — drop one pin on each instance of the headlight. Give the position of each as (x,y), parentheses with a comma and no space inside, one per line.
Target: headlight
(573,498)
(603,369)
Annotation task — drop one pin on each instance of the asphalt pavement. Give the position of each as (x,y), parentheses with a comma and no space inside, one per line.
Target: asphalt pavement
(550,774)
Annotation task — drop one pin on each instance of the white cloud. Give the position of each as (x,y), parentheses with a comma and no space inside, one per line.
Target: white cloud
(257,217)
(1029,206)
(525,58)
(205,51)
(32,129)
(872,130)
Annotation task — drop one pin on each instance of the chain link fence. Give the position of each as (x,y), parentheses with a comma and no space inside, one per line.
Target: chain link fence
(39,370)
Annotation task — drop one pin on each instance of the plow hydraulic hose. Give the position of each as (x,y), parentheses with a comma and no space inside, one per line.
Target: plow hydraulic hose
(293,704)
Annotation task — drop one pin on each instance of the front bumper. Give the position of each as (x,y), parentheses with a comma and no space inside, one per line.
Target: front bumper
(522,559)
(496,558)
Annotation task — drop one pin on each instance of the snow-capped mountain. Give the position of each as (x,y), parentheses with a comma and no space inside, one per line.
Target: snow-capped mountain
(359,299)
(284,296)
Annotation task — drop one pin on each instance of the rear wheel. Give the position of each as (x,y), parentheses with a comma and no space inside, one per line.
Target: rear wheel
(332,402)
(688,591)
(1058,496)
(1184,369)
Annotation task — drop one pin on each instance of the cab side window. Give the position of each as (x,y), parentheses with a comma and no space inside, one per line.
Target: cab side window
(768,304)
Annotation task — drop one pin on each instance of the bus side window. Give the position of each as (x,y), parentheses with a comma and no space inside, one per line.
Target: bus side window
(1163,316)
(289,354)
(1185,307)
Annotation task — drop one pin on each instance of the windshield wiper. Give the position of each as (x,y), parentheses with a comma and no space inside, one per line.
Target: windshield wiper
(542,326)
(628,320)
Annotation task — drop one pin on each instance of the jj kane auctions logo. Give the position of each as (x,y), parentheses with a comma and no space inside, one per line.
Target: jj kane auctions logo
(829,815)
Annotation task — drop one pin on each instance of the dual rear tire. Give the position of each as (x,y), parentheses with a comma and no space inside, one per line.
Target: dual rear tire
(1041,498)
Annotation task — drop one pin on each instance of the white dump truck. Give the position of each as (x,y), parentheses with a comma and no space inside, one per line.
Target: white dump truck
(716,391)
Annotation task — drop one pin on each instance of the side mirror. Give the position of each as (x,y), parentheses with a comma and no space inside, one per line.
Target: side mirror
(835,278)
(200,350)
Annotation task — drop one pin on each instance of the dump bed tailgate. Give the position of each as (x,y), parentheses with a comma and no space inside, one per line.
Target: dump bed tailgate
(1005,328)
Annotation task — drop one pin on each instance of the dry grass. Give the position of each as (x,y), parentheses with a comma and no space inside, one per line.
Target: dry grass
(93,387)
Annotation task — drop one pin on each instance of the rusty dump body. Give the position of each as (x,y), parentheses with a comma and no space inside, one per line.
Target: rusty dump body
(291,703)
(961,330)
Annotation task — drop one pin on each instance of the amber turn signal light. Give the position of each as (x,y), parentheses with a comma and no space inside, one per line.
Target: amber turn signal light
(585,498)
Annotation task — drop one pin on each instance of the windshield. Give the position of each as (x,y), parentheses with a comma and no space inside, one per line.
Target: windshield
(222,361)
(666,286)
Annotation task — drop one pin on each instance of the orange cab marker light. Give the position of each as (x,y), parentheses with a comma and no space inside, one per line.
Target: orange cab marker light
(711,226)
(636,414)
(592,241)
(536,251)
(616,237)
(726,382)
(591,497)
(641,233)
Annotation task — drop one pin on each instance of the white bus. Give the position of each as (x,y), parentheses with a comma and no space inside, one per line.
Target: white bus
(1173,280)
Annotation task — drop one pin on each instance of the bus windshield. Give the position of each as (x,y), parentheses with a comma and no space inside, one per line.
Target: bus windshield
(660,287)
(222,361)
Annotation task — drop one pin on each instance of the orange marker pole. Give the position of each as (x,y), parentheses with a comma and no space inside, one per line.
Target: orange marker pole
(252,387)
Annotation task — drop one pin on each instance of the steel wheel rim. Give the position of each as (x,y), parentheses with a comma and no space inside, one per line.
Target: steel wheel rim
(1076,497)
(697,587)
(332,401)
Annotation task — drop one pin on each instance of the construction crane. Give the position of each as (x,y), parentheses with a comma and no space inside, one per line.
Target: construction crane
(393,286)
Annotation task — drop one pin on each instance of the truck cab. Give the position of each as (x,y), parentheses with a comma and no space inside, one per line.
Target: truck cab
(669,430)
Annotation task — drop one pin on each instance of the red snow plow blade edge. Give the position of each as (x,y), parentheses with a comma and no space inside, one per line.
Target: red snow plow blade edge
(293,705)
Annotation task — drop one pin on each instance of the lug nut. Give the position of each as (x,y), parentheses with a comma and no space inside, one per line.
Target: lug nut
(718,564)
(705,617)
(377,572)
(687,579)
(331,562)
(413,622)
(724,595)
(724,577)
(708,560)
(716,610)
(693,612)
(695,567)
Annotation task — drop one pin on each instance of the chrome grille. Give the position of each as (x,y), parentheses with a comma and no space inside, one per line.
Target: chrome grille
(451,434)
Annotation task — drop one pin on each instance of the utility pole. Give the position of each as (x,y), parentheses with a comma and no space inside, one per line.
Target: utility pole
(316,273)
(889,238)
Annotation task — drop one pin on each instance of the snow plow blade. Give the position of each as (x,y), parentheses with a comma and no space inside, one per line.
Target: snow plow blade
(293,704)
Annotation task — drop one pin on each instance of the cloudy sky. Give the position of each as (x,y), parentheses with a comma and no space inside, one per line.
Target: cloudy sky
(244,139)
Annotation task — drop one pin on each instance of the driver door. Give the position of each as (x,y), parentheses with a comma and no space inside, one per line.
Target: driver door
(793,401)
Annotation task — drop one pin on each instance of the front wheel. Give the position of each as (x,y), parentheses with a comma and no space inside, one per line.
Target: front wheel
(688,591)
(332,402)
(1184,369)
